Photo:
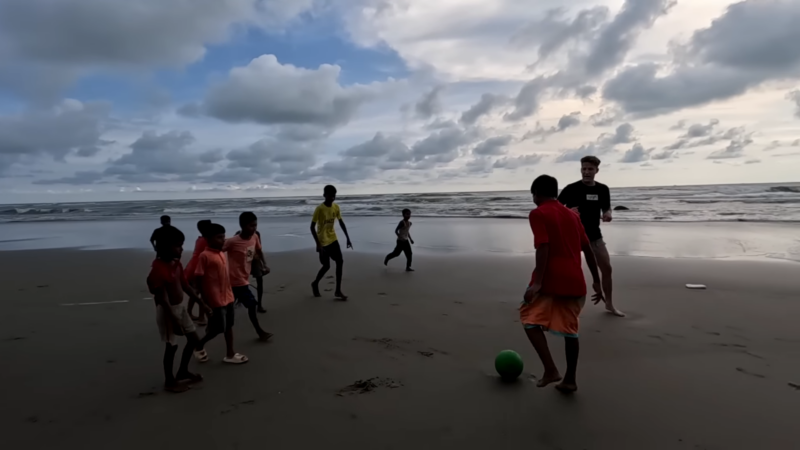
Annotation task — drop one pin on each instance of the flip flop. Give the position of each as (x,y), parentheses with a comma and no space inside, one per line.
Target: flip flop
(236,359)
(201,355)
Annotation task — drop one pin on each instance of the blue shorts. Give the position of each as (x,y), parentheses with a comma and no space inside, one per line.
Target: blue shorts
(243,295)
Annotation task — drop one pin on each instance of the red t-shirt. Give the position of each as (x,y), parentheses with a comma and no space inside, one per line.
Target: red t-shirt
(167,275)
(212,265)
(554,224)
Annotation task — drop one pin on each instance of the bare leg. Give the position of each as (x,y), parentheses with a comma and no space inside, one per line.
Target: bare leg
(229,343)
(604,264)
(169,379)
(572,348)
(407,251)
(322,271)
(260,294)
(339,269)
(251,313)
(539,342)
(395,253)
(183,371)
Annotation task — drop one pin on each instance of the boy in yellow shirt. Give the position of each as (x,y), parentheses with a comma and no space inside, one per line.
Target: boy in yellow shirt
(324,232)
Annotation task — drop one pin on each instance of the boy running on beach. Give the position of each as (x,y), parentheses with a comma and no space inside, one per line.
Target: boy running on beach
(167,283)
(199,245)
(242,249)
(557,291)
(324,233)
(211,274)
(590,199)
(404,241)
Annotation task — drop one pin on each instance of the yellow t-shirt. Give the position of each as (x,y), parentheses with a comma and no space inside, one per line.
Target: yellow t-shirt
(325,218)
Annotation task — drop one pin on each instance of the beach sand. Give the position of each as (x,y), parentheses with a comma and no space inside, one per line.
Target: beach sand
(712,369)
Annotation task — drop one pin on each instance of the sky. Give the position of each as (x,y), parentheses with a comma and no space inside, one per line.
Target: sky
(122,100)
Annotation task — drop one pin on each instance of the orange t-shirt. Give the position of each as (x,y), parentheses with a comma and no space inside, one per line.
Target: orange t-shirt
(199,245)
(212,265)
(240,255)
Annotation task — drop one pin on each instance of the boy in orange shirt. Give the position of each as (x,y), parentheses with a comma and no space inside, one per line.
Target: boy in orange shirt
(167,283)
(242,249)
(211,274)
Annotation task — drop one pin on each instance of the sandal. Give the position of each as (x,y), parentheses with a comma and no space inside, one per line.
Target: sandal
(236,359)
(201,355)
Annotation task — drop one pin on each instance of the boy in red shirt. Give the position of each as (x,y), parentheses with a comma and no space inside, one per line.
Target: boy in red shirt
(167,283)
(211,275)
(242,249)
(557,291)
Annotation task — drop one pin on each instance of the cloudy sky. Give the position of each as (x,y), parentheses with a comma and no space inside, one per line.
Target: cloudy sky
(118,99)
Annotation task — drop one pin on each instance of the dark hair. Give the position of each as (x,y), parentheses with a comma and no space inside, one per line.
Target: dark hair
(406,211)
(169,239)
(545,186)
(329,189)
(165,219)
(213,229)
(246,217)
(202,226)
(594,160)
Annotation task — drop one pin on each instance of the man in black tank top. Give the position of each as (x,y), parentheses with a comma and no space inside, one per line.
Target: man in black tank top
(592,201)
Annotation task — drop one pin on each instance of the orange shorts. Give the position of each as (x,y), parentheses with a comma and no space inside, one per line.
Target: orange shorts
(559,315)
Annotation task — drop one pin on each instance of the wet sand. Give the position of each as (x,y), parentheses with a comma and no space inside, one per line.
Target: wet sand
(713,369)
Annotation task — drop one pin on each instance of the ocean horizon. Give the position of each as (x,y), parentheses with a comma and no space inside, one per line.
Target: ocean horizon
(765,202)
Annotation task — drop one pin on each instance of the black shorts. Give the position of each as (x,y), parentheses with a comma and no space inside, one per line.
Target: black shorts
(221,319)
(244,296)
(331,252)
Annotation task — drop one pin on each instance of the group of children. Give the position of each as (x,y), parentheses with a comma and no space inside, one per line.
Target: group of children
(218,276)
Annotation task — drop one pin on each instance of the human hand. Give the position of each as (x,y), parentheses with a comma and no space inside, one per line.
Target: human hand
(205,309)
(349,244)
(607,216)
(319,248)
(412,241)
(266,270)
(532,292)
(575,210)
(598,293)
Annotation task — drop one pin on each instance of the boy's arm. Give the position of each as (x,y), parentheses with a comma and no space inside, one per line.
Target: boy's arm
(153,240)
(605,205)
(314,234)
(160,296)
(399,227)
(591,261)
(344,228)
(260,255)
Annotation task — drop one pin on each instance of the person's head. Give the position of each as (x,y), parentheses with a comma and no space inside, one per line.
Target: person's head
(202,226)
(590,165)
(165,220)
(329,193)
(215,235)
(544,188)
(170,245)
(406,214)
(248,222)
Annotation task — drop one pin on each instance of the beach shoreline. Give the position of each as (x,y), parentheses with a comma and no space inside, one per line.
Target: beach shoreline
(88,375)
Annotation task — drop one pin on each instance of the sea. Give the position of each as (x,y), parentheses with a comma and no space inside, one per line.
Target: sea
(712,203)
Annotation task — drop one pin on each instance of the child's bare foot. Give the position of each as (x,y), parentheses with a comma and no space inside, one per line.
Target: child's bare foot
(611,310)
(409,269)
(175,387)
(548,378)
(315,289)
(188,377)
(339,295)
(567,388)
(386,261)
(261,310)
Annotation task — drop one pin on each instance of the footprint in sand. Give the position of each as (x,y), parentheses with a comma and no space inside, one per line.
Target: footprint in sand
(382,294)
(795,386)
(368,385)
(328,290)
(458,303)
(395,304)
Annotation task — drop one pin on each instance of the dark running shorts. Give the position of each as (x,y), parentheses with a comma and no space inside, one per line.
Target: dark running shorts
(331,251)
(244,296)
(221,319)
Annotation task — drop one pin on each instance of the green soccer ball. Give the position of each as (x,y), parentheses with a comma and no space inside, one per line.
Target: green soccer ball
(508,364)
